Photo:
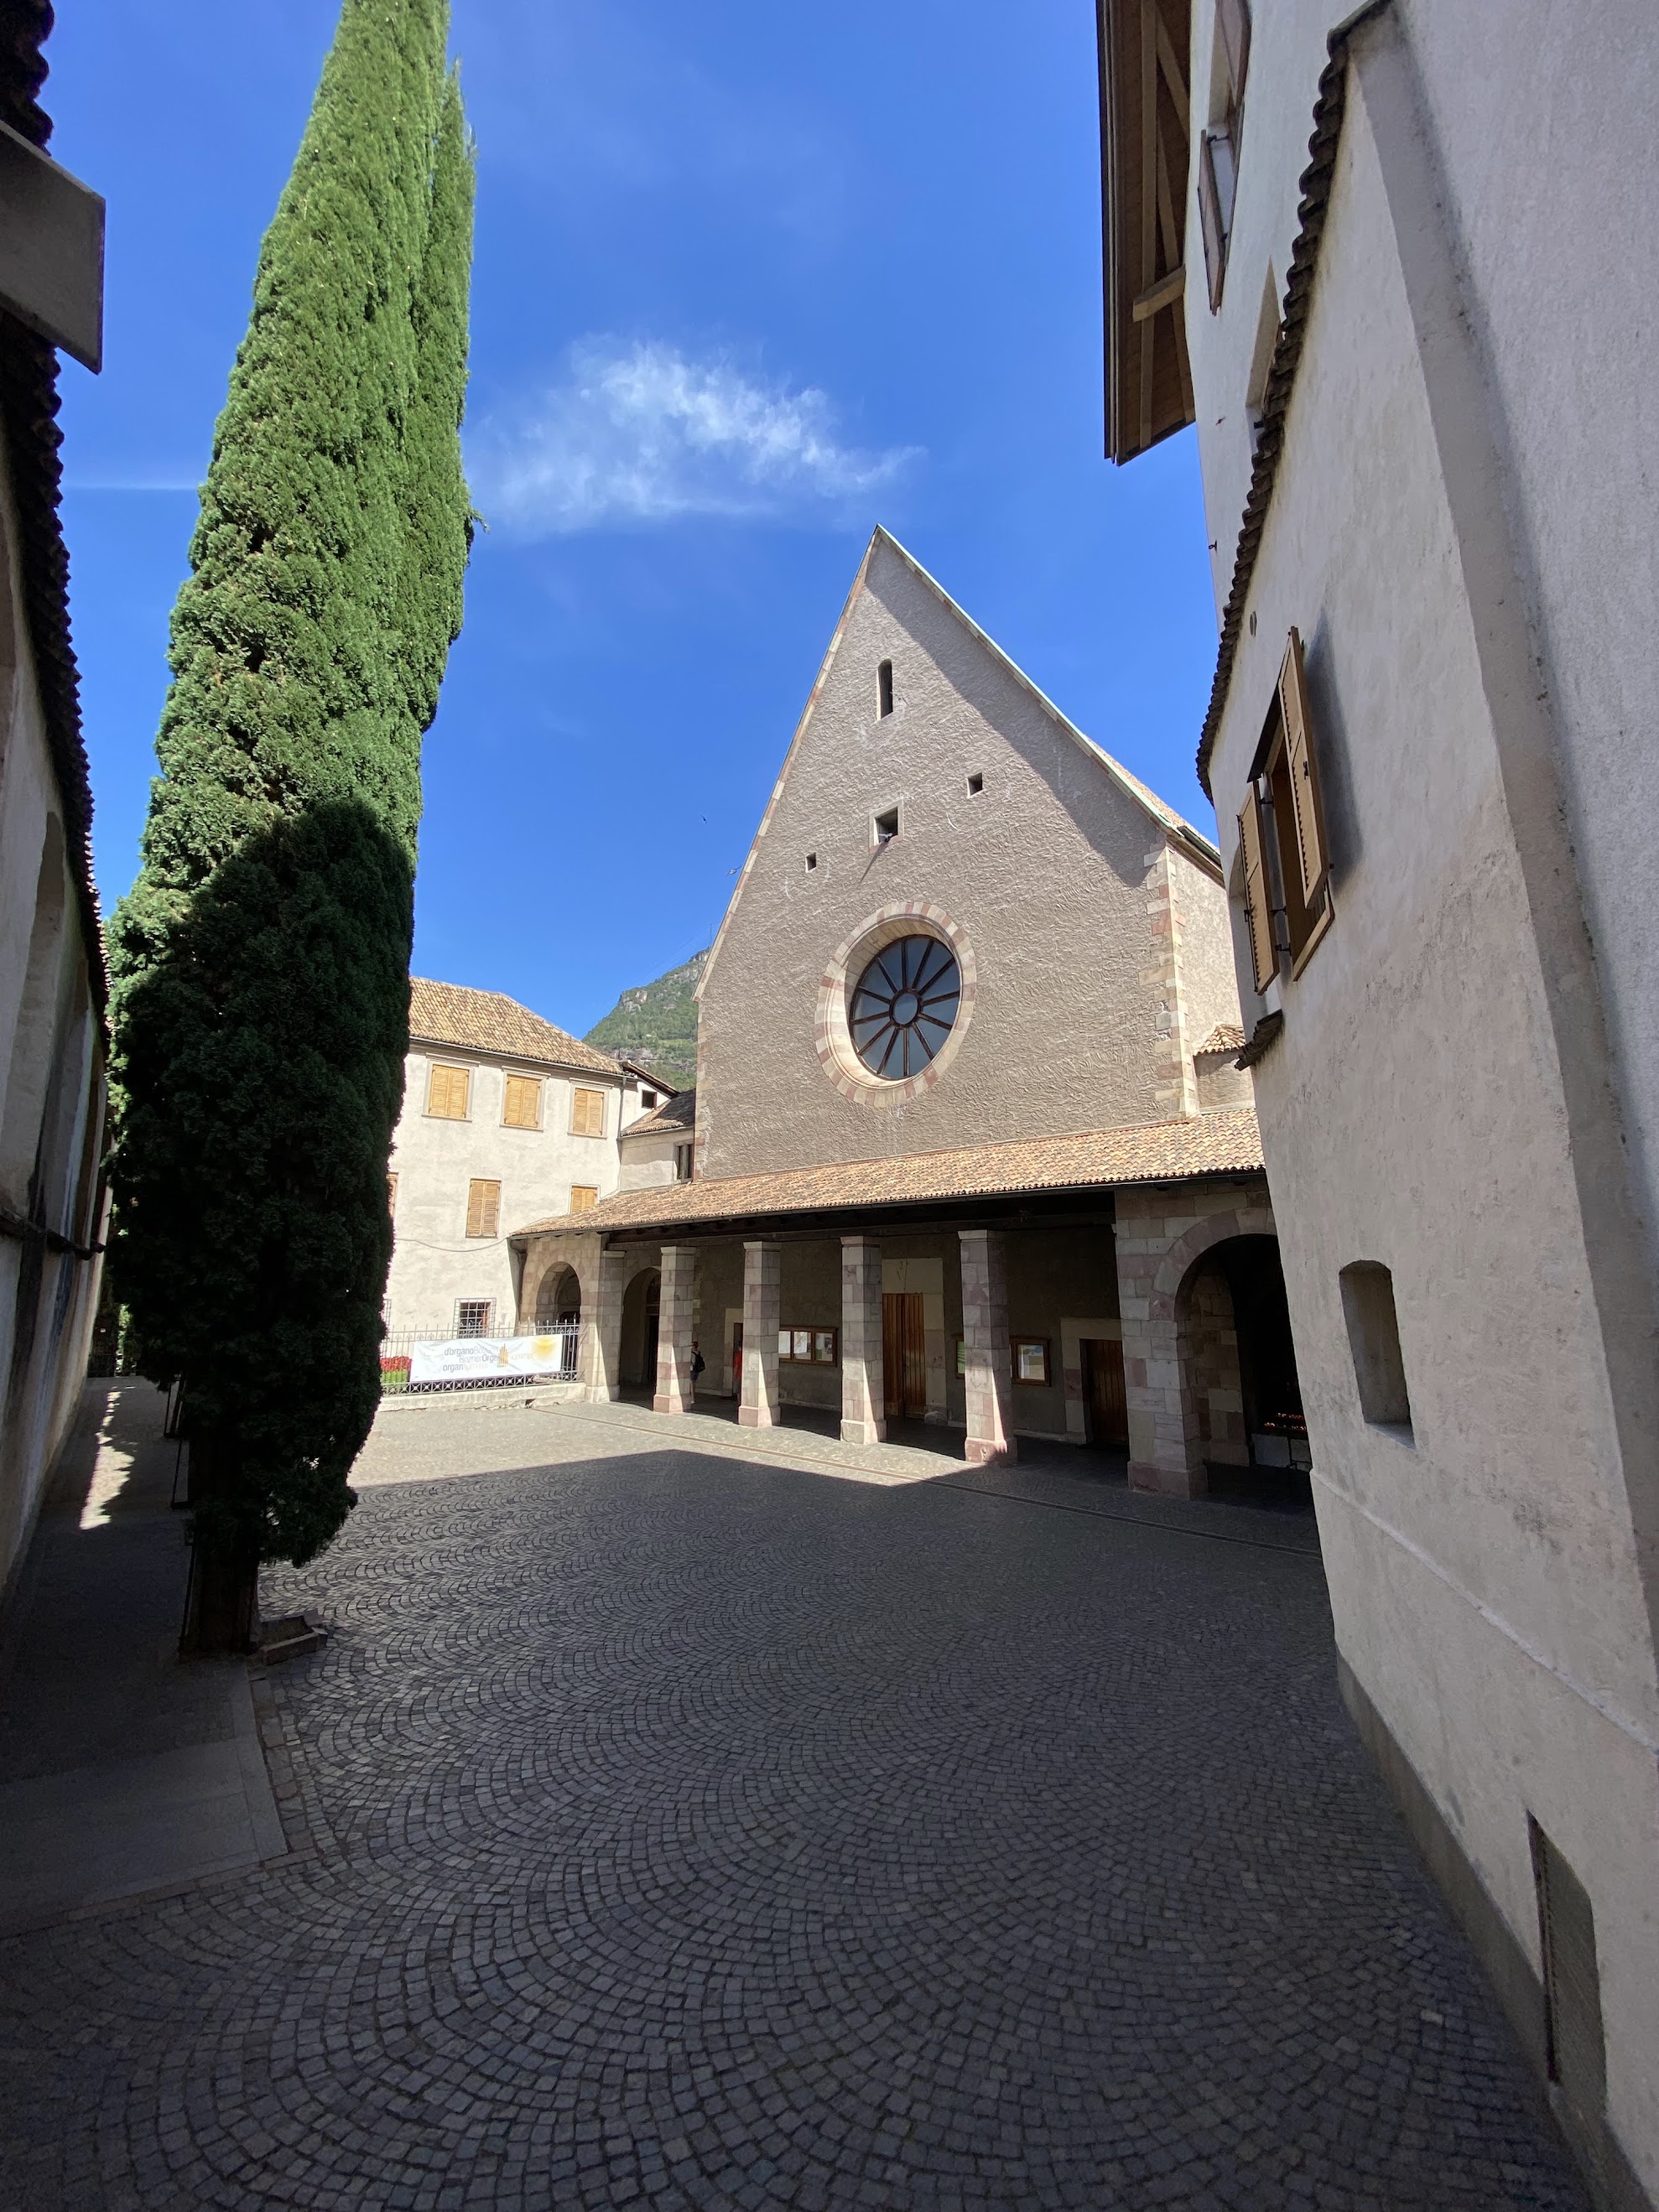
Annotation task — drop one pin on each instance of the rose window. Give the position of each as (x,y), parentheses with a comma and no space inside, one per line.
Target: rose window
(904,1007)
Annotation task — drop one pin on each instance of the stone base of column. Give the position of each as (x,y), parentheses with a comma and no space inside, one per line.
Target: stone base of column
(979,1451)
(666,1401)
(864,1432)
(756,1417)
(1166,1481)
(601,1394)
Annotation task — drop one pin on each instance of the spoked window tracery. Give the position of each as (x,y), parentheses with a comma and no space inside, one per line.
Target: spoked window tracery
(905,1006)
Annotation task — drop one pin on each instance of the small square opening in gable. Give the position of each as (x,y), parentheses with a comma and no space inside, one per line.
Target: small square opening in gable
(884,827)
(975,785)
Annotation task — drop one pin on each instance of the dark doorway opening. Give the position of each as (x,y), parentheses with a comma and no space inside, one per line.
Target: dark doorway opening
(641,1310)
(1241,1361)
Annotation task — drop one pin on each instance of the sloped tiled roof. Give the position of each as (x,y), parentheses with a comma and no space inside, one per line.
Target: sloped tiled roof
(1159,1152)
(28,417)
(489,1021)
(672,1118)
(1225,1036)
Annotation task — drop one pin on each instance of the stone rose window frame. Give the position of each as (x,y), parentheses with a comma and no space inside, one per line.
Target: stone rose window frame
(832,1037)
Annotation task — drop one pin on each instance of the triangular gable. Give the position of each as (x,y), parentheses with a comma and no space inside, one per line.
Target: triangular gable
(1198,846)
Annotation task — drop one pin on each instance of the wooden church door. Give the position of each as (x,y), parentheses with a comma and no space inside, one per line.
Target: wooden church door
(904,1356)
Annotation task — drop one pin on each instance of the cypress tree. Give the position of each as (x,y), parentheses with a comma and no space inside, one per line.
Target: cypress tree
(261,961)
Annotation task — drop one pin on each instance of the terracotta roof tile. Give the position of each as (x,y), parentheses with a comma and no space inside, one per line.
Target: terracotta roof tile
(1225,1036)
(673,1117)
(1159,1152)
(489,1021)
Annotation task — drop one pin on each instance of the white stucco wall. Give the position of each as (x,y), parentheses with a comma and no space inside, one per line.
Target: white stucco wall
(1048,872)
(435,1263)
(1485,1576)
(51,1085)
(648,1161)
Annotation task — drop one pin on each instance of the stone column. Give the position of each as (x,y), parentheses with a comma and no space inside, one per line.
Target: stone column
(985,1349)
(763,1275)
(675,1388)
(602,1286)
(863,1392)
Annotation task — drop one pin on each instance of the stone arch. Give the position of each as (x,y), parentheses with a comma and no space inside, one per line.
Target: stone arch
(559,1296)
(1176,1266)
(640,1326)
(1162,1359)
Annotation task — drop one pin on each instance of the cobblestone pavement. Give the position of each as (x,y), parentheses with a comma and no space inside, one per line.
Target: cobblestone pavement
(674,1830)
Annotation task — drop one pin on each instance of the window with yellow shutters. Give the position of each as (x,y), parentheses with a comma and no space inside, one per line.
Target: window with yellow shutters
(447,1092)
(484,1208)
(521,1108)
(583,1195)
(587,1114)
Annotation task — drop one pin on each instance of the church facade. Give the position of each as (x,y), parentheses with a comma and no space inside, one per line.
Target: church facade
(970,1144)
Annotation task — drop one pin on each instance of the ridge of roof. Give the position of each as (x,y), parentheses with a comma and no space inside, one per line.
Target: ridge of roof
(1200,846)
(1162,811)
(489,1021)
(1094,1159)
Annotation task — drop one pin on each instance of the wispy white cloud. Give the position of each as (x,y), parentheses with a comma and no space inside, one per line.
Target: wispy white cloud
(638,434)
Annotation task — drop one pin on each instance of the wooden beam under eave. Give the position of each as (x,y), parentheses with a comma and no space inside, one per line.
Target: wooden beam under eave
(1166,293)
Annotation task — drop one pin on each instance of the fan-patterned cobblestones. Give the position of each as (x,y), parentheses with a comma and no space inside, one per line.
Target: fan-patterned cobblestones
(676,1833)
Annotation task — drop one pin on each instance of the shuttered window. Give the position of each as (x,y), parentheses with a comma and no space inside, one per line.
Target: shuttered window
(447,1091)
(1258,903)
(582,1196)
(1311,856)
(483,1208)
(1233,21)
(521,1108)
(587,1114)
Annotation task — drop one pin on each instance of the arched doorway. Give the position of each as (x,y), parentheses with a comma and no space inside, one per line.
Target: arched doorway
(641,1307)
(559,1300)
(1238,1360)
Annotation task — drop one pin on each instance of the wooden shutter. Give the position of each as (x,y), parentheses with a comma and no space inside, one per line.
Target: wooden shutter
(484,1208)
(582,1196)
(1313,862)
(1209,216)
(1258,905)
(1234,19)
(522,1108)
(587,1114)
(447,1092)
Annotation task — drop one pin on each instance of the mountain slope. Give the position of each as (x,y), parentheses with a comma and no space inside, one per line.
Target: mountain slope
(656,1024)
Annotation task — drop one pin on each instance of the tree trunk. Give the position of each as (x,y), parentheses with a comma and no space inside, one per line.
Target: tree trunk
(222,1606)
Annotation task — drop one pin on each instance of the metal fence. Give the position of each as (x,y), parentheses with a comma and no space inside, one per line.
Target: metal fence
(398,1351)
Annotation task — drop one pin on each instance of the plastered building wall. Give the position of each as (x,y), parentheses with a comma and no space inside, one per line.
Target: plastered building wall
(52,1088)
(1046,870)
(435,1263)
(1485,1575)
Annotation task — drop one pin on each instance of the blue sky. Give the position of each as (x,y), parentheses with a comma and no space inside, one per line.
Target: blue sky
(749,280)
